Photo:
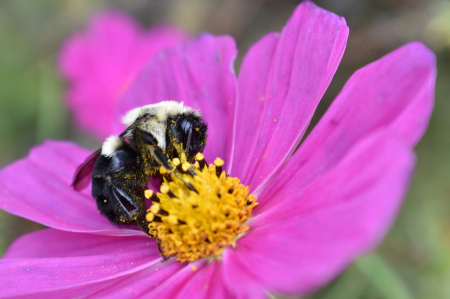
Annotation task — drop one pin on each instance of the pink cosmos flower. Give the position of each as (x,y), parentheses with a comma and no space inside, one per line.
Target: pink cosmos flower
(100,64)
(319,208)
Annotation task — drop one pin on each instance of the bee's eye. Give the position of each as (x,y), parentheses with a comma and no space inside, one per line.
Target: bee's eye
(185,126)
(191,132)
(185,129)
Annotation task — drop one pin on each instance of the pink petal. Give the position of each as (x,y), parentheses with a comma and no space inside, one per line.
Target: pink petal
(38,188)
(253,78)
(205,281)
(101,62)
(201,75)
(282,81)
(396,93)
(141,284)
(303,242)
(78,272)
(191,280)
(52,243)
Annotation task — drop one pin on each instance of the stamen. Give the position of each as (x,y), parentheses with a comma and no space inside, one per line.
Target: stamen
(177,163)
(185,167)
(162,170)
(219,163)
(165,173)
(150,217)
(149,194)
(189,169)
(201,160)
(200,211)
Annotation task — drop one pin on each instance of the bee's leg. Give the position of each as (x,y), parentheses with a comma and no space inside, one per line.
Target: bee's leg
(143,225)
(181,151)
(188,141)
(160,157)
(120,202)
(160,249)
(156,151)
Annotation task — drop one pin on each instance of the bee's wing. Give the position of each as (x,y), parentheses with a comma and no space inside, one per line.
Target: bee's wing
(82,176)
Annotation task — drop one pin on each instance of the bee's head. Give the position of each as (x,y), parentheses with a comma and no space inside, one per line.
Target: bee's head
(173,125)
(191,133)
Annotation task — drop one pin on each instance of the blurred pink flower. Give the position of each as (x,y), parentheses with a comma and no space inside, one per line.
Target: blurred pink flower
(321,208)
(100,63)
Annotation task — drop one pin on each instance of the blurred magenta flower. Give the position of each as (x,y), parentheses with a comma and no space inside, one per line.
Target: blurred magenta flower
(320,208)
(100,63)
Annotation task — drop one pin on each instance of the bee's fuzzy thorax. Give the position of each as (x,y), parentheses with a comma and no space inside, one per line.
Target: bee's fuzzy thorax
(161,111)
(111,145)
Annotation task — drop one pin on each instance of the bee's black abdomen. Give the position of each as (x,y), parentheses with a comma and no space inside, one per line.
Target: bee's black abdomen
(122,158)
(118,185)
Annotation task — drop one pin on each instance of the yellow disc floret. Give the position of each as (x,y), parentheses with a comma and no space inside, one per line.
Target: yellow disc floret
(199,212)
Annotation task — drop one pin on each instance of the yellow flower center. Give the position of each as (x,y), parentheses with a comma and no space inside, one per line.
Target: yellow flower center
(199,210)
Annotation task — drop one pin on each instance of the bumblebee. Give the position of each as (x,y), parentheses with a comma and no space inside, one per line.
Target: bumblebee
(122,168)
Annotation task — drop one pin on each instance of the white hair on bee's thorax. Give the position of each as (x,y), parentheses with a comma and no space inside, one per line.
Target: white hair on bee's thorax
(161,110)
(111,145)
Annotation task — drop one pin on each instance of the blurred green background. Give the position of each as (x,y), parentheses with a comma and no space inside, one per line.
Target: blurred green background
(414,259)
